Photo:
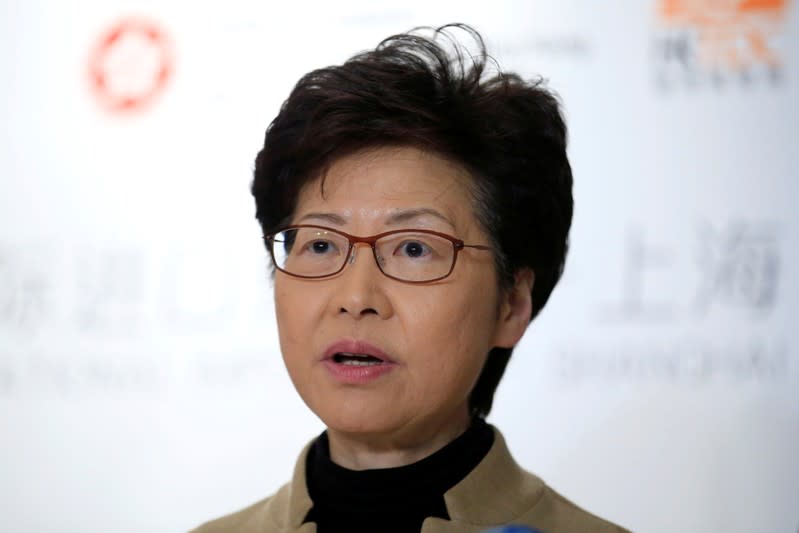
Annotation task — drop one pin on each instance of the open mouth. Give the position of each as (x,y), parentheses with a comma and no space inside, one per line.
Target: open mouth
(356,359)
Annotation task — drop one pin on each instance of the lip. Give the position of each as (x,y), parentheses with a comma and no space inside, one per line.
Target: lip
(356,346)
(353,374)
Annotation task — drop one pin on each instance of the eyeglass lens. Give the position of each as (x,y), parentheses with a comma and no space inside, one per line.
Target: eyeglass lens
(407,255)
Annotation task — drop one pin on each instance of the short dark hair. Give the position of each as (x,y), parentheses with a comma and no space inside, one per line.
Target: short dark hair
(435,94)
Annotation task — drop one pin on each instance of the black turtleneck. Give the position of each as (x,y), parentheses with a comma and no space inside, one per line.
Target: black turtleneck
(389,500)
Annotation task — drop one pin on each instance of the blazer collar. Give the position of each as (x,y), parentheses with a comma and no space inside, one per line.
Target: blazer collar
(294,497)
(495,491)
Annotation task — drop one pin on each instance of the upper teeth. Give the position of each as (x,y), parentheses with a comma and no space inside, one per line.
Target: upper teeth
(353,362)
(353,359)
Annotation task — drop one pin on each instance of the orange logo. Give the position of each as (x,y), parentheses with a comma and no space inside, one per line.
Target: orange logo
(130,65)
(720,40)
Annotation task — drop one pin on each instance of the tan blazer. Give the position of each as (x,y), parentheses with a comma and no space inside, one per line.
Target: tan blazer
(497,492)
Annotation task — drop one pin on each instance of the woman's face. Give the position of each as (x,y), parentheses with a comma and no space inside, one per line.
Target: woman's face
(432,339)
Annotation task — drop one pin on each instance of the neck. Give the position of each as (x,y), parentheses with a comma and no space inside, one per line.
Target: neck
(357,451)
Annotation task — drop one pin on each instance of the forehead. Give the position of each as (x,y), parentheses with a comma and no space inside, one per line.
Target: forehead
(386,178)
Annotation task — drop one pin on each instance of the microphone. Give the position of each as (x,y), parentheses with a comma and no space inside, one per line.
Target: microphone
(514,529)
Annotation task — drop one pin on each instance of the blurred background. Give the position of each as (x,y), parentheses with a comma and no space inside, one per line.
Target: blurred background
(141,386)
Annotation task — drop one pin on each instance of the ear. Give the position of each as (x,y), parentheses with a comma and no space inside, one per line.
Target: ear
(516,307)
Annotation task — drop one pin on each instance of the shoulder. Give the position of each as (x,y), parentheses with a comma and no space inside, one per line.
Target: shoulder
(251,519)
(285,510)
(554,512)
(500,491)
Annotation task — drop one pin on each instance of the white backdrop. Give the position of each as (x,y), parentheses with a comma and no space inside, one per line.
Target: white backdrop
(140,379)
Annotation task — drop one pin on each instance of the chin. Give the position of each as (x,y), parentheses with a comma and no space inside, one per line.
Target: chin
(358,418)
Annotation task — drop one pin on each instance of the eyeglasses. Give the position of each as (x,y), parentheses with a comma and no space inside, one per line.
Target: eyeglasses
(409,255)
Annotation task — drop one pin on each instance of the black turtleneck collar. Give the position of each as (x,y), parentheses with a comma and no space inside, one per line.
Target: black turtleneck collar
(390,499)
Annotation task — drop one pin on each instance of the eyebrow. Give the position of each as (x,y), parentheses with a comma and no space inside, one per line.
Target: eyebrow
(398,217)
(404,215)
(332,218)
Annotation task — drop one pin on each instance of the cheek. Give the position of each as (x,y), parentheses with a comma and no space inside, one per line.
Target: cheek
(283,301)
(453,314)
(293,325)
(453,330)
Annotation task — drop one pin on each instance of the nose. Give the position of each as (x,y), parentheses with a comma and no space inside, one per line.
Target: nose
(361,286)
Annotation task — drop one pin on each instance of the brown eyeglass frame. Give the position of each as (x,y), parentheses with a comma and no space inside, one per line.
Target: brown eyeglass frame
(457,245)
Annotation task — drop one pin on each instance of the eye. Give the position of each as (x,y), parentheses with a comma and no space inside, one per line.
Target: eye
(320,246)
(413,249)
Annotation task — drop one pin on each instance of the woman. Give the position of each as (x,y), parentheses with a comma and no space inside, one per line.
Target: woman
(416,209)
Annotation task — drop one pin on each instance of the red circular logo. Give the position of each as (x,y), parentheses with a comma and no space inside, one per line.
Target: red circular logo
(130,64)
